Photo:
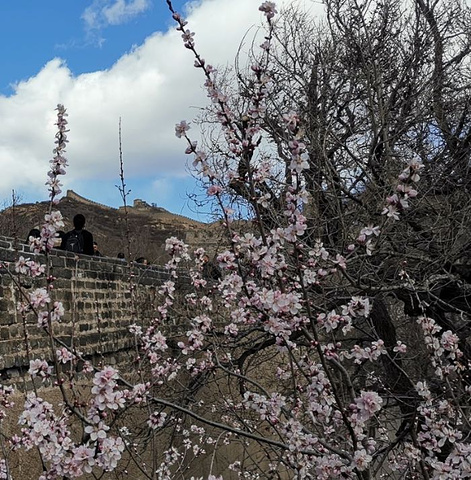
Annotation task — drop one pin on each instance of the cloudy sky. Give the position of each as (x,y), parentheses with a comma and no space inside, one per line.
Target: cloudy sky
(105,59)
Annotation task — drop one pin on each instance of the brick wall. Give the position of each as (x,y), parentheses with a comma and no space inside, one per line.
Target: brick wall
(96,294)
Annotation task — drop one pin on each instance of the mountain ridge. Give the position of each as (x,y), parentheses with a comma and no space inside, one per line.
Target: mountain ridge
(149,226)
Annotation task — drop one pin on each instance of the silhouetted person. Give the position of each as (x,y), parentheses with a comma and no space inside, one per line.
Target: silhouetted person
(142,261)
(34,232)
(121,256)
(211,271)
(78,240)
(96,252)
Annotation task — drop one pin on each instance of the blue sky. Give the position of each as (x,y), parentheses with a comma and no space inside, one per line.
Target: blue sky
(105,59)
(32,32)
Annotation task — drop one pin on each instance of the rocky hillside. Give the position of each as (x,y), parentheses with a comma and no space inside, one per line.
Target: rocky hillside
(148,226)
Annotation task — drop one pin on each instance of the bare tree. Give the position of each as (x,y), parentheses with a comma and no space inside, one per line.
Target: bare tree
(377,84)
(379,88)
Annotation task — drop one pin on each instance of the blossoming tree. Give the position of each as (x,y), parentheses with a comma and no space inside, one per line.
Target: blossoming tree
(334,342)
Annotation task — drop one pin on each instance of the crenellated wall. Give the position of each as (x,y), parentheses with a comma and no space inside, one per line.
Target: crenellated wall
(96,294)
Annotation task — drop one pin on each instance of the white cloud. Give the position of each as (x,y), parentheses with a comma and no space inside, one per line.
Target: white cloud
(121,11)
(151,88)
(112,12)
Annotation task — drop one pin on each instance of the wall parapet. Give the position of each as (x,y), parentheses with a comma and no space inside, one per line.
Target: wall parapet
(97,298)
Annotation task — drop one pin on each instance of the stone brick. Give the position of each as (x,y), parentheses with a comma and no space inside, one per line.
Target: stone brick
(66,339)
(58,261)
(5,244)
(5,307)
(9,255)
(62,273)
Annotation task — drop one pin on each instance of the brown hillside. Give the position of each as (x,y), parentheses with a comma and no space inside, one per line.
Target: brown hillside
(149,226)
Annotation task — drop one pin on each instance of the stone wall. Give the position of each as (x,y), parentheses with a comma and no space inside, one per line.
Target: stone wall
(96,294)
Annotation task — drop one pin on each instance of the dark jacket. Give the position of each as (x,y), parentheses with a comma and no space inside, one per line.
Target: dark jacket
(87,241)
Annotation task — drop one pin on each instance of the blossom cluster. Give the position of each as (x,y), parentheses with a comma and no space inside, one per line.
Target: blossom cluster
(53,220)
(269,9)
(177,251)
(366,238)
(5,401)
(268,408)
(58,162)
(26,266)
(445,350)
(399,201)
(50,433)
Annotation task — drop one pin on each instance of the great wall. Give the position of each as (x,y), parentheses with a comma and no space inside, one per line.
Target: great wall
(142,227)
(96,295)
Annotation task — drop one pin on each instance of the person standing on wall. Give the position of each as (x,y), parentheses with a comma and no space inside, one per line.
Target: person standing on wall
(96,252)
(78,240)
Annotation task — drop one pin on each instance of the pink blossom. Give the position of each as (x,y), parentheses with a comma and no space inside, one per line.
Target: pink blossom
(43,319)
(200,157)
(191,147)
(367,405)
(188,38)
(181,129)
(36,244)
(362,460)
(64,355)
(267,408)
(369,246)
(369,353)
(110,452)
(39,298)
(370,230)
(139,392)
(329,321)
(54,219)
(264,200)
(157,342)
(358,306)
(4,474)
(83,457)
(87,367)
(407,190)
(157,420)
(400,347)
(97,431)
(57,312)
(39,368)
(175,246)
(177,17)
(340,261)
(57,164)
(21,265)
(319,251)
(449,340)
(299,163)
(227,260)
(35,269)
(214,190)
(231,329)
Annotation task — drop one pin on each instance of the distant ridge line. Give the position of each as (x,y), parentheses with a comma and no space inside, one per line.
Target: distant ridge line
(75,196)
